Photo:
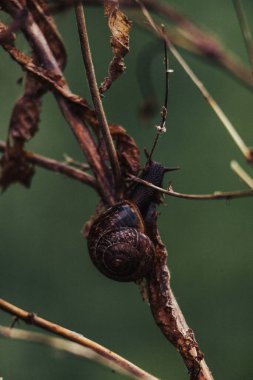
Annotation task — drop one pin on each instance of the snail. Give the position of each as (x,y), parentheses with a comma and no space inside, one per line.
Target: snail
(118,241)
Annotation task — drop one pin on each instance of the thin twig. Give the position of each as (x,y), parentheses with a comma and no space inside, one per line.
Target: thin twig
(242,174)
(164,112)
(216,195)
(245,30)
(71,161)
(246,151)
(91,76)
(72,336)
(56,166)
(70,348)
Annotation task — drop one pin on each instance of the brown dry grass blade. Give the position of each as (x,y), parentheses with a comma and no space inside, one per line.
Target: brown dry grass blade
(119,26)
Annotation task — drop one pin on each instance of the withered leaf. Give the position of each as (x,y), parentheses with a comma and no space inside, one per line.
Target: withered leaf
(15,168)
(127,150)
(25,115)
(119,26)
(53,81)
(23,125)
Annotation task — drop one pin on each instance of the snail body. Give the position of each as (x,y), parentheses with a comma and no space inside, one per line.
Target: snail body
(118,243)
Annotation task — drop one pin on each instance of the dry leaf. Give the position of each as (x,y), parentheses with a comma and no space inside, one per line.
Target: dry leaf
(127,150)
(25,115)
(53,81)
(15,168)
(119,26)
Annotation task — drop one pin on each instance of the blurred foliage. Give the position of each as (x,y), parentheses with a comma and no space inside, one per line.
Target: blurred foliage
(44,264)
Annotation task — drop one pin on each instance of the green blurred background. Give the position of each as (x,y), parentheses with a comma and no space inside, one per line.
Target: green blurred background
(44,264)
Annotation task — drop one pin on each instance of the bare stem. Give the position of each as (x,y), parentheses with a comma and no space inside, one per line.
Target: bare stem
(245,31)
(102,352)
(216,195)
(164,112)
(91,76)
(246,151)
(242,174)
(56,166)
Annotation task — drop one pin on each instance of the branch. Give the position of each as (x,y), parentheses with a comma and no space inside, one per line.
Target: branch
(101,353)
(169,317)
(214,196)
(38,42)
(57,166)
(91,76)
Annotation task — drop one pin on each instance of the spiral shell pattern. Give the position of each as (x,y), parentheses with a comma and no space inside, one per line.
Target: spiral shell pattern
(118,245)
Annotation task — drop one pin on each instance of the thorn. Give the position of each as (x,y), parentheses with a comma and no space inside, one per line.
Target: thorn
(170,188)
(146,153)
(171,169)
(15,320)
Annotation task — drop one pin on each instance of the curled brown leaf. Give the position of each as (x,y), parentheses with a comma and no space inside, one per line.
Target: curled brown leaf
(53,81)
(127,150)
(119,26)
(15,168)
(26,111)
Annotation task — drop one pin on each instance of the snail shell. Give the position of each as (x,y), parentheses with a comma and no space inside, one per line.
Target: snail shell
(118,242)
(118,245)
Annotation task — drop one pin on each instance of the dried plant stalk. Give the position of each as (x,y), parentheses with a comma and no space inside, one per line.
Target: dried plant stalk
(103,354)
